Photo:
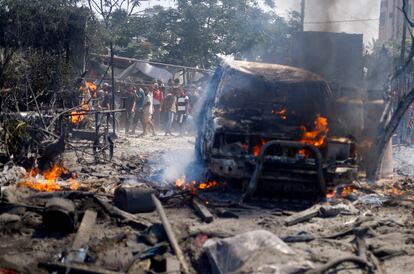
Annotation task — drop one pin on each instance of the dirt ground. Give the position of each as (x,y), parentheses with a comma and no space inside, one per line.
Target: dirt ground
(383,211)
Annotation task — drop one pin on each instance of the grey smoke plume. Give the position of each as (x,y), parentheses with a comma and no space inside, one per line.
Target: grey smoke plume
(175,164)
(183,162)
(343,16)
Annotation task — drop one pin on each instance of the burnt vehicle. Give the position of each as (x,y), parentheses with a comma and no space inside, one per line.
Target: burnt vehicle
(272,129)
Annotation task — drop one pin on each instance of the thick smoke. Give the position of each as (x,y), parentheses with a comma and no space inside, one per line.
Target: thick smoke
(175,164)
(183,162)
(329,15)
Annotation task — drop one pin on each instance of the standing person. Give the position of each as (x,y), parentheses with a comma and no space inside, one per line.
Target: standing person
(158,99)
(182,109)
(107,99)
(129,107)
(163,112)
(170,85)
(170,108)
(147,113)
(138,107)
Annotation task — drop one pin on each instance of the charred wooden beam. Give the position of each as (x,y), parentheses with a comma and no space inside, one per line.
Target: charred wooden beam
(303,216)
(82,237)
(202,210)
(171,235)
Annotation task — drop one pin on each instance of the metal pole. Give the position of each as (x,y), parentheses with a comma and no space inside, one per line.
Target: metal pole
(113,88)
(404,34)
(404,121)
(302,14)
(85,46)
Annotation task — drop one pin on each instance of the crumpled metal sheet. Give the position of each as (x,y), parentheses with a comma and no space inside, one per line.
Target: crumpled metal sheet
(258,251)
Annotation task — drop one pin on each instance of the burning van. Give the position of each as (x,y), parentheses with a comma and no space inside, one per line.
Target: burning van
(272,129)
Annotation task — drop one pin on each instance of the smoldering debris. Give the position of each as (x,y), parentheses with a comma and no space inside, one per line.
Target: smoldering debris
(174,164)
(124,235)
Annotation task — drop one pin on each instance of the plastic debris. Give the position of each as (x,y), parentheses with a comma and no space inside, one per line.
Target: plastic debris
(257,251)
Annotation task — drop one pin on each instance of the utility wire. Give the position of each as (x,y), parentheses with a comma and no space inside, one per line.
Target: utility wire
(342,21)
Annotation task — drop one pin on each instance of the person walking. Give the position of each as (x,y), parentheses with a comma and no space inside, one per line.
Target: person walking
(147,113)
(129,108)
(158,99)
(138,108)
(170,108)
(182,109)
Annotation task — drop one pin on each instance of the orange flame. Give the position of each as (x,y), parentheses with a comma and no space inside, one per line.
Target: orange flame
(46,181)
(180,182)
(208,185)
(316,137)
(89,88)
(345,192)
(77,116)
(193,186)
(330,193)
(74,184)
(88,85)
(396,191)
(282,113)
(258,147)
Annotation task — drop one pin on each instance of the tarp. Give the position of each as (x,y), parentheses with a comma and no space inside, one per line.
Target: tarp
(148,70)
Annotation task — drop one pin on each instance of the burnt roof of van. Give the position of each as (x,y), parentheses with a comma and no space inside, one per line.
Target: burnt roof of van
(274,72)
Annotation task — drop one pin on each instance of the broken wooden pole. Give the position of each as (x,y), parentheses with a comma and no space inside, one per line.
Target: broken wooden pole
(170,234)
(83,235)
(79,245)
(303,216)
(118,213)
(202,210)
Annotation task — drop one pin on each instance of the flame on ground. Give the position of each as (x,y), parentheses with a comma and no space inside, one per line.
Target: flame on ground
(396,191)
(182,184)
(343,192)
(330,193)
(47,181)
(208,185)
(346,191)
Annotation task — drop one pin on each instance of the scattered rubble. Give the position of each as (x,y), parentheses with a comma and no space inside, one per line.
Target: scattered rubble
(115,223)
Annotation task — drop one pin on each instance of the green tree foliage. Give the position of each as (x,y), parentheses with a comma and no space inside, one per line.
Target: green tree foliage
(195,32)
(40,43)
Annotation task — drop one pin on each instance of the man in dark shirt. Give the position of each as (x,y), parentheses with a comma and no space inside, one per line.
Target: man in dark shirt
(129,107)
(138,107)
(170,108)
(182,109)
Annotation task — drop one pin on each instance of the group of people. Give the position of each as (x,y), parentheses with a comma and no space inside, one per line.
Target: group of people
(157,107)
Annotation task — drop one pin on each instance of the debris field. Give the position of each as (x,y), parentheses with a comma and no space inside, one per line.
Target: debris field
(76,224)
